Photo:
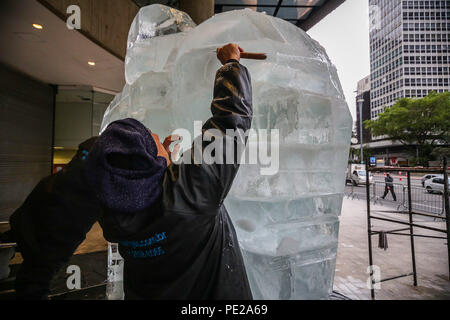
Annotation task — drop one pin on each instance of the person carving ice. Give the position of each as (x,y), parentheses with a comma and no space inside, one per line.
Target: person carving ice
(173,230)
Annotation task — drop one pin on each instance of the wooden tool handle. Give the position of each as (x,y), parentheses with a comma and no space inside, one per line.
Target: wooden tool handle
(253,55)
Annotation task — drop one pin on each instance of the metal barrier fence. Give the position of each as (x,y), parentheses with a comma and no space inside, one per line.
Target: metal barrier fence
(421,199)
(417,200)
(352,194)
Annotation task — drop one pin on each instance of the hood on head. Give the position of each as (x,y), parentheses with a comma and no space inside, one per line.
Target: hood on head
(124,168)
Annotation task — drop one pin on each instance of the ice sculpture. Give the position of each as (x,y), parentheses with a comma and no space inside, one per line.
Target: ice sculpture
(287,223)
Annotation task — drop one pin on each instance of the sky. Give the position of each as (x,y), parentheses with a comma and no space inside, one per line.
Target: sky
(344,34)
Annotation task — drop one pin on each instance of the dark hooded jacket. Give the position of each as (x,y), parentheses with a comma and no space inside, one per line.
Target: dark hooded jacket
(50,225)
(173,230)
(183,245)
(389,181)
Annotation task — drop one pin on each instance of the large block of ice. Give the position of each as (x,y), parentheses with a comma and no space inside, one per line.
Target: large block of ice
(287,223)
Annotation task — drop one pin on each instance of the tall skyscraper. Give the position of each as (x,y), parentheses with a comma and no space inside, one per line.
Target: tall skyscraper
(363,94)
(409,50)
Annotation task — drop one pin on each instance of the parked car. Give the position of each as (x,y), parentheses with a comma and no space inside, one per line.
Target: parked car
(362,177)
(435,184)
(356,174)
(428,176)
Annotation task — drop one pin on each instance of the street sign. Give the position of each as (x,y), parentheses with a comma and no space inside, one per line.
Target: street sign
(380,163)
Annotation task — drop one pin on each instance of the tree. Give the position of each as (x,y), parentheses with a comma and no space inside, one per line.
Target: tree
(356,153)
(440,152)
(423,122)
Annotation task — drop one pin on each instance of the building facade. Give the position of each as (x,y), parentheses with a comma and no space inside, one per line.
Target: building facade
(363,93)
(409,50)
(409,57)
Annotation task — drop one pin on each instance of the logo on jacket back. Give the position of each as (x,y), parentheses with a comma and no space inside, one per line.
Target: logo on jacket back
(145,248)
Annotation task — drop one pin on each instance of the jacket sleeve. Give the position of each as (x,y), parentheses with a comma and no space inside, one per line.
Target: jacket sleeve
(50,225)
(223,138)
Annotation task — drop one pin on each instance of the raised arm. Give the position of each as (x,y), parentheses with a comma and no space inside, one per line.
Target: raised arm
(232,102)
(213,159)
(232,113)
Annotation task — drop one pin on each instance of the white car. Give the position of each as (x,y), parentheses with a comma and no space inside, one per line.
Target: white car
(428,176)
(359,177)
(435,184)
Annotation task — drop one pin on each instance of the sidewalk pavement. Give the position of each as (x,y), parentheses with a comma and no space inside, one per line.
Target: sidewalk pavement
(353,257)
(351,265)
(91,257)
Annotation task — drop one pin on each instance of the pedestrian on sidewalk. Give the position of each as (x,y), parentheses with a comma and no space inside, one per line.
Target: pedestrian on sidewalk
(389,186)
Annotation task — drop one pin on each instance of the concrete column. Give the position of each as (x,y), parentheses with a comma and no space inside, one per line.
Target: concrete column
(251,2)
(387,155)
(199,10)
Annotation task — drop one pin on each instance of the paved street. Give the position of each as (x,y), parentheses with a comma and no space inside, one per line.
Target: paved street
(399,179)
(353,257)
(422,201)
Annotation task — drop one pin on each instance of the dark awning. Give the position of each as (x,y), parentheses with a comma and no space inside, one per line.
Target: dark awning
(303,13)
